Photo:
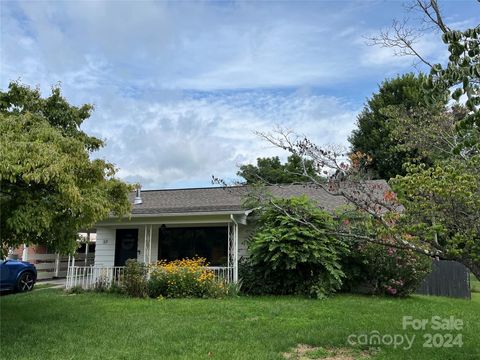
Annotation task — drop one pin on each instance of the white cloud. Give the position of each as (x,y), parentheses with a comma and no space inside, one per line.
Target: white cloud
(188,140)
(199,46)
(165,77)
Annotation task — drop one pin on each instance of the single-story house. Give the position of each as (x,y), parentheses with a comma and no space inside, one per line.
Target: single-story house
(174,224)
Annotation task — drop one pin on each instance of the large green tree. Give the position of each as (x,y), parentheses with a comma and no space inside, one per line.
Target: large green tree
(270,170)
(436,210)
(376,123)
(50,188)
(442,205)
(458,78)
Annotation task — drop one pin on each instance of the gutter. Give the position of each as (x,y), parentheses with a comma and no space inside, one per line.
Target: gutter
(191,213)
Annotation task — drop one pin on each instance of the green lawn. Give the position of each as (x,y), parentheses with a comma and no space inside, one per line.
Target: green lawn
(48,324)
(474,284)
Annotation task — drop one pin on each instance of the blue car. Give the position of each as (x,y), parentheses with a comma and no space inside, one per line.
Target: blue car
(17,275)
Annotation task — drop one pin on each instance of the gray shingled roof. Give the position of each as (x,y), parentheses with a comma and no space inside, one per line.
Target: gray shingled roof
(217,199)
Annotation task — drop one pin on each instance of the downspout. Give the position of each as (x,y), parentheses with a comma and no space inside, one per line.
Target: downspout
(235,249)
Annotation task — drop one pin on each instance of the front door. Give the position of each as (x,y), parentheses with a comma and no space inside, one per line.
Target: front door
(125,246)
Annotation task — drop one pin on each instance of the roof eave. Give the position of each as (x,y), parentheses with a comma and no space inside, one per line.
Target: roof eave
(190,213)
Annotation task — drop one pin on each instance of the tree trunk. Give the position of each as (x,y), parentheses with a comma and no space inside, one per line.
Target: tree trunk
(473,266)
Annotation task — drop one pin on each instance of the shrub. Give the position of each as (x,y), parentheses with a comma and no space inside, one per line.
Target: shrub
(115,289)
(75,290)
(134,280)
(287,256)
(157,283)
(254,281)
(185,278)
(378,269)
(102,284)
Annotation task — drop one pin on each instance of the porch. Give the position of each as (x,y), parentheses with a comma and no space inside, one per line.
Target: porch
(215,238)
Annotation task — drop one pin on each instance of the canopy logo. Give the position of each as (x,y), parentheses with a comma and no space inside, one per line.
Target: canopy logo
(406,339)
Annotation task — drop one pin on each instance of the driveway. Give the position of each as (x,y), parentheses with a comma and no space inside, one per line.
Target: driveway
(52,283)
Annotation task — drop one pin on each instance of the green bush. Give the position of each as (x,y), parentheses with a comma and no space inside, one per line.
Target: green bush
(157,284)
(115,289)
(75,290)
(378,269)
(254,281)
(134,280)
(289,257)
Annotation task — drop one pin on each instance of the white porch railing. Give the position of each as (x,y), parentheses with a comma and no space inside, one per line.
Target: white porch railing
(91,277)
(222,273)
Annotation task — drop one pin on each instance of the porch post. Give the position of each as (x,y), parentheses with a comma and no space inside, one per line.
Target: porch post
(147,244)
(234,248)
(86,247)
(150,245)
(229,247)
(235,265)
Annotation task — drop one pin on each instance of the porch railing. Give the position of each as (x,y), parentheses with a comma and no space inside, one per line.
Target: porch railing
(222,273)
(91,277)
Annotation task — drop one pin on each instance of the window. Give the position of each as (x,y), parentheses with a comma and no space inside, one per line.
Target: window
(207,242)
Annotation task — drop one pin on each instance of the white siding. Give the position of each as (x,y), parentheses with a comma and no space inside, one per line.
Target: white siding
(244,232)
(106,237)
(105,247)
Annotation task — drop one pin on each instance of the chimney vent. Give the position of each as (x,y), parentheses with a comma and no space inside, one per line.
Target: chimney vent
(138,196)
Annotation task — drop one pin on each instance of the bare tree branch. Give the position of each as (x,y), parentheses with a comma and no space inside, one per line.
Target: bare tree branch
(402,40)
(436,17)
(402,36)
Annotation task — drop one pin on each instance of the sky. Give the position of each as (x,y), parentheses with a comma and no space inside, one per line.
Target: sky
(180,88)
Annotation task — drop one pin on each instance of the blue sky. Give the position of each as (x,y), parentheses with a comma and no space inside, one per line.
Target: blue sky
(180,87)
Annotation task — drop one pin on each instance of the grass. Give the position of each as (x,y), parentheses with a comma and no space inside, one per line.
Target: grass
(474,284)
(49,324)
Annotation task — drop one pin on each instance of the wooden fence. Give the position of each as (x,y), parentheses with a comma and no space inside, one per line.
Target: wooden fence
(448,278)
(54,265)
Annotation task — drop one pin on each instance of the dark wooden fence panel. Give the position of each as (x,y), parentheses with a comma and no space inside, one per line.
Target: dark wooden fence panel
(448,278)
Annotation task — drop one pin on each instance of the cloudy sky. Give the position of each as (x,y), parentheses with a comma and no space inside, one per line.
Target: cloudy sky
(179,88)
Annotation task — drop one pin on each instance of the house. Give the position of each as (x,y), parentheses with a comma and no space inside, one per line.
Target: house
(173,224)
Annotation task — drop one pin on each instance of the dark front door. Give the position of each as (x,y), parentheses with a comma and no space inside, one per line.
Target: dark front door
(126,246)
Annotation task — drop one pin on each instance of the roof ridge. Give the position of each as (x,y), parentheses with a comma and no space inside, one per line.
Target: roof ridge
(195,188)
(226,187)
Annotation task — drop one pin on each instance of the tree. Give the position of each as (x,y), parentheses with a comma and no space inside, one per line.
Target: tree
(432,214)
(460,76)
(436,210)
(49,187)
(443,208)
(431,135)
(402,95)
(449,191)
(272,171)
